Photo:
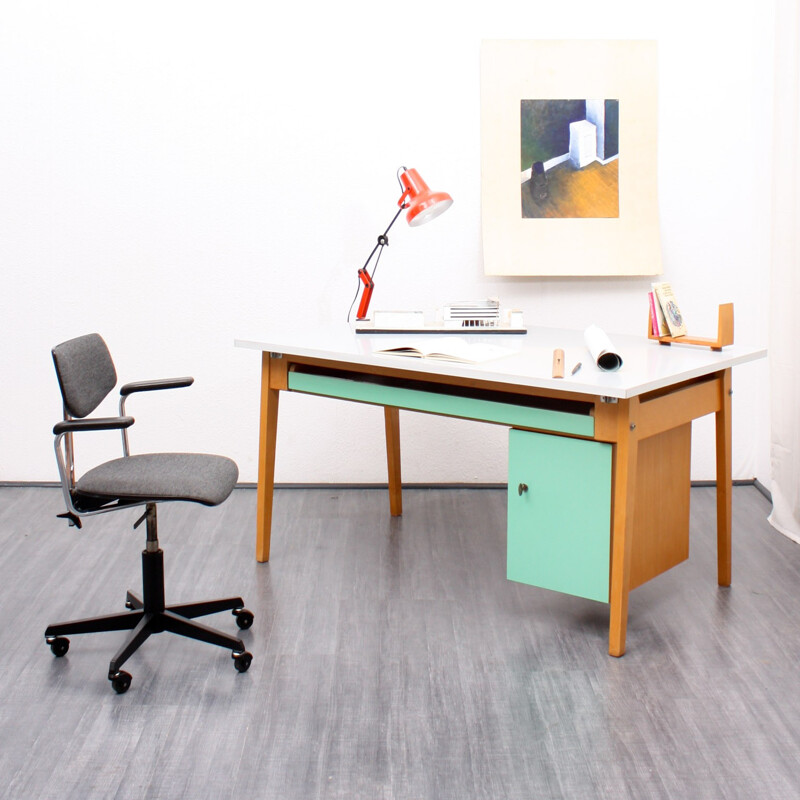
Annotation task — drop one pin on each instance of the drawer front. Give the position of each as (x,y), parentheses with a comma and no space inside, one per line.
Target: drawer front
(559,513)
(449,404)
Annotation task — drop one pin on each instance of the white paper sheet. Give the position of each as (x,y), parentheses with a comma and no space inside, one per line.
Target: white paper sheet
(603,352)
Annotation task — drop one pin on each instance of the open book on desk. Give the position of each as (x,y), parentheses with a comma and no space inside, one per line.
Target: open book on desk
(448,349)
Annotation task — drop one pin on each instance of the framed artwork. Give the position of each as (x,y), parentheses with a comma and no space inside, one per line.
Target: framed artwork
(569,158)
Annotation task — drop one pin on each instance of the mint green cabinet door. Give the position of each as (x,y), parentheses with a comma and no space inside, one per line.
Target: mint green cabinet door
(559,513)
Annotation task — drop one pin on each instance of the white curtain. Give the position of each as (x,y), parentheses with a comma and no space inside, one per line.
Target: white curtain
(784,335)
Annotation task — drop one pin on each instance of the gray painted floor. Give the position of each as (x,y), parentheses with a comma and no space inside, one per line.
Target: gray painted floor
(392,659)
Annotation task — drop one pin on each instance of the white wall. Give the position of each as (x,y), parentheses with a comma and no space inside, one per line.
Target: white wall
(173,175)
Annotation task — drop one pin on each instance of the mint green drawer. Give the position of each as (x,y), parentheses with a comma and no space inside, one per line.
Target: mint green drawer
(559,513)
(444,402)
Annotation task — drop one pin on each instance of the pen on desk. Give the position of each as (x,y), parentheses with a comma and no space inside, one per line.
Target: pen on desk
(576,368)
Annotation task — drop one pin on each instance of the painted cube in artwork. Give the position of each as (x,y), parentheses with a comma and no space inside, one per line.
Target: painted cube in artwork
(582,143)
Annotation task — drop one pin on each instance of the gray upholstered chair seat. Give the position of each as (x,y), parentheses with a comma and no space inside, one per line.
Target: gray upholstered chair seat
(206,479)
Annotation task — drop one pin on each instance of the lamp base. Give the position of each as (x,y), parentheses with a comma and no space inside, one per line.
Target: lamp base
(368,326)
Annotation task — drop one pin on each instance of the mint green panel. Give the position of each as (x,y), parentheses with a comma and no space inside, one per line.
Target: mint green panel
(559,529)
(437,403)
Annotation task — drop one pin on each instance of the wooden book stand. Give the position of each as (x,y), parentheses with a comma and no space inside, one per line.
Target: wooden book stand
(724,331)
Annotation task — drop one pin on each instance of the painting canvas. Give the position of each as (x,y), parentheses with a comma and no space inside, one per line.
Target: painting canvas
(569,153)
(568,158)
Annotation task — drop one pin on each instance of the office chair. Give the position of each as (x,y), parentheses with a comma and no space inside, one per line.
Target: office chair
(86,375)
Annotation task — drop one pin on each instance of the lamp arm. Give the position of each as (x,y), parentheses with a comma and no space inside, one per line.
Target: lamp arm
(383,239)
(364,275)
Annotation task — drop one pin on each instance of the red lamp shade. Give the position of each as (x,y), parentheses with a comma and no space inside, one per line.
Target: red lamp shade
(423,205)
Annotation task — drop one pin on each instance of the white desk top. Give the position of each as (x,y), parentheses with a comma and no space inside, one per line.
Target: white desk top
(647,365)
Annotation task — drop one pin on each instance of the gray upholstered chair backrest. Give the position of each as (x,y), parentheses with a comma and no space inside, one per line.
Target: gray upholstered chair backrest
(85,372)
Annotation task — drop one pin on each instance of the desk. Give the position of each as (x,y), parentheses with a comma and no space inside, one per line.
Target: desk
(599,463)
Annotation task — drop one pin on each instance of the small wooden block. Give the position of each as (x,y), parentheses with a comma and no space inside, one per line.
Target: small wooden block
(558,363)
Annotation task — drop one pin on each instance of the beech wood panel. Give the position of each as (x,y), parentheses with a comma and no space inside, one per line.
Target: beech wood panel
(661,515)
(681,405)
(433,378)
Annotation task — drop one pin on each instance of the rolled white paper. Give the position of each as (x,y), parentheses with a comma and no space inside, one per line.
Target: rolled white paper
(601,349)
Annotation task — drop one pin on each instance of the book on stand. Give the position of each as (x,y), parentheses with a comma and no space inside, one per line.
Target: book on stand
(658,323)
(670,320)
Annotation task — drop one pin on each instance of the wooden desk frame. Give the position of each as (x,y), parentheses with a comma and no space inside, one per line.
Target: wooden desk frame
(624,423)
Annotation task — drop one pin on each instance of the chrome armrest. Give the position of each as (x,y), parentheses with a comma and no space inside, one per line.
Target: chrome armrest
(92,424)
(147,386)
(63,430)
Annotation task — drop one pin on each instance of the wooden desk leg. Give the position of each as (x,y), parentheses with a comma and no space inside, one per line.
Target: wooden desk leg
(623,500)
(392,420)
(268,430)
(724,484)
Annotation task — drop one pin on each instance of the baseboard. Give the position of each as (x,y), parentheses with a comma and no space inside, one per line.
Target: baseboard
(383,486)
(763,489)
(712,484)
(30,485)
(342,486)
(456,485)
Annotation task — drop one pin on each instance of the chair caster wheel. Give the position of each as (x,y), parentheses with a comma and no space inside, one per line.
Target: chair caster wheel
(242,661)
(244,618)
(59,646)
(120,681)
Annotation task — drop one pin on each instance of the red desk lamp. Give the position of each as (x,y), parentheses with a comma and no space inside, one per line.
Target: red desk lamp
(423,205)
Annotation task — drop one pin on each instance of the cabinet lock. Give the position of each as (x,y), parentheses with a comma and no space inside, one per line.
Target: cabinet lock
(523,487)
